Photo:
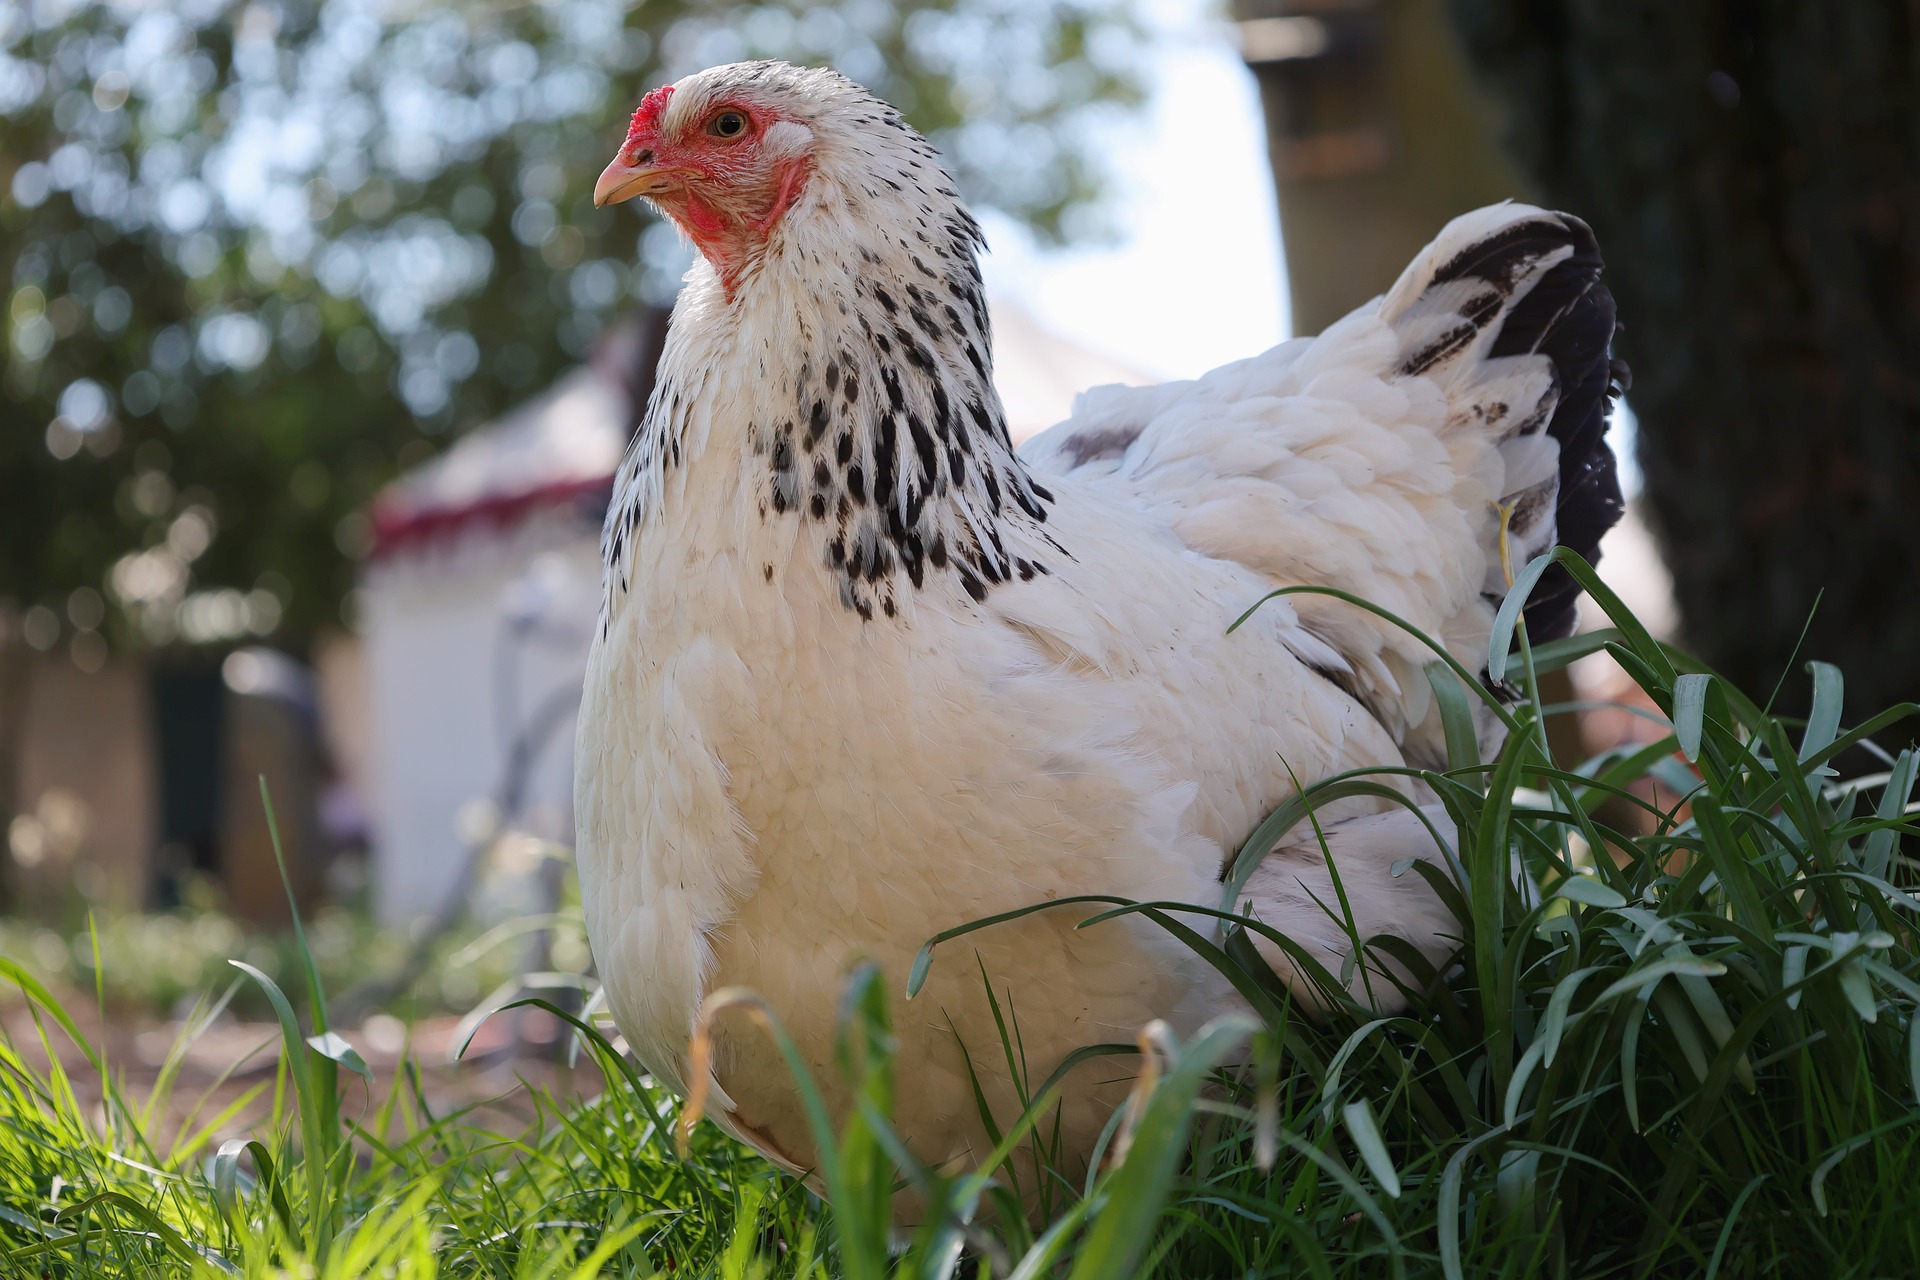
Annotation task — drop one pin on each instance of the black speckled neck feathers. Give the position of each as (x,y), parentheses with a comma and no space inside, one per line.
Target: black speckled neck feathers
(878,429)
(896,449)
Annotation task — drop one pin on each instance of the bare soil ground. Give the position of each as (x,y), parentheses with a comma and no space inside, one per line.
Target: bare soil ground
(510,1052)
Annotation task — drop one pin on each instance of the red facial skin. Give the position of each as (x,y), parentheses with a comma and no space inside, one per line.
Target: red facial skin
(726,193)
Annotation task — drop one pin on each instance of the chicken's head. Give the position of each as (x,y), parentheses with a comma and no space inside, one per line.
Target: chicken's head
(724,153)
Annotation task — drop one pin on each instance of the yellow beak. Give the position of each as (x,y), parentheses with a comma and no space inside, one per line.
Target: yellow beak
(622,181)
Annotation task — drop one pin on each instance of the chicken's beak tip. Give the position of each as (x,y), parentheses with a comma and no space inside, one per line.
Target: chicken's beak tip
(619,182)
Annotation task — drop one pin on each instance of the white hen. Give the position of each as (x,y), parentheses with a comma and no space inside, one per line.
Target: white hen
(865,673)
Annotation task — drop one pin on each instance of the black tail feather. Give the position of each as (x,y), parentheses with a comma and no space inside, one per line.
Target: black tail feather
(1568,316)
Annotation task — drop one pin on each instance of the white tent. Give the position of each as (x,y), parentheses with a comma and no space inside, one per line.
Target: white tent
(481,593)
(477,608)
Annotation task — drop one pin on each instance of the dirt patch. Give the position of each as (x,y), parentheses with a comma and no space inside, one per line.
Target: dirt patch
(509,1054)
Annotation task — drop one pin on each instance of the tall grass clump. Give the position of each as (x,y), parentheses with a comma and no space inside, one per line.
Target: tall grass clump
(1678,1038)
(1688,1046)
(348,1177)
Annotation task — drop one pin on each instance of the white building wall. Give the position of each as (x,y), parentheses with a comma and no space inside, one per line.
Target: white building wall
(465,645)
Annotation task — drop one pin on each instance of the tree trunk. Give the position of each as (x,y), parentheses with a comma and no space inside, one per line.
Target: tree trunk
(1378,135)
(1751,169)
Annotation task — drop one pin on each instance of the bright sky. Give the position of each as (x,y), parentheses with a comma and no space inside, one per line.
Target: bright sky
(1194,278)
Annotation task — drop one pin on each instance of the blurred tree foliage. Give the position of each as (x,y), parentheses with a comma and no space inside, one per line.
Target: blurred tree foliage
(1752,168)
(259,256)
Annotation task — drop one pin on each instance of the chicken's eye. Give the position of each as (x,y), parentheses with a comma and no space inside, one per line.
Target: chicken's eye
(728,124)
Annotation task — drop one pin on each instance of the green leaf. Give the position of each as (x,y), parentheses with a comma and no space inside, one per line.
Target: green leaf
(1630,1057)
(1726,1229)
(317,1142)
(1913,1056)
(1456,717)
(1793,971)
(190,1252)
(1468,679)
(1590,892)
(43,999)
(1556,654)
(227,1176)
(1500,643)
(1326,1166)
(1712,1012)
(1134,1192)
(316,994)
(1365,1130)
(1559,1005)
(1451,1179)
(1297,808)
(1818,1187)
(1680,1023)
(613,1241)
(1517,1180)
(1877,854)
(1858,989)
(1823,719)
(1649,654)
(1689,712)
(332,1046)
(923,959)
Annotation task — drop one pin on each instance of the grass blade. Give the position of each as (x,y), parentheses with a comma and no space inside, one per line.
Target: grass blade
(1823,718)
(1365,1131)
(1507,620)
(1689,712)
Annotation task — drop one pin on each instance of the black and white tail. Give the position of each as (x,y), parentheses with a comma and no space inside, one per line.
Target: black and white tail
(1416,454)
(1499,288)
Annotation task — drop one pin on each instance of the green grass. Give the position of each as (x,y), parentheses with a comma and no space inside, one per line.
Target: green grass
(1680,1039)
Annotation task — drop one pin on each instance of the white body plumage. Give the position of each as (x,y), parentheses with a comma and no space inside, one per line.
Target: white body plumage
(808,737)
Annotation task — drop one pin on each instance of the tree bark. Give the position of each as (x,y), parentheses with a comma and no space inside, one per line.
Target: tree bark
(1378,134)
(1376,140)
(1752,168)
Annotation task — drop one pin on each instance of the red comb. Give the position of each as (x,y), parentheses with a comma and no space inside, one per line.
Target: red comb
(649,109)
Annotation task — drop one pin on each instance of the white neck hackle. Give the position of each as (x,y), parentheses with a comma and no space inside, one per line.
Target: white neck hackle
(846,374)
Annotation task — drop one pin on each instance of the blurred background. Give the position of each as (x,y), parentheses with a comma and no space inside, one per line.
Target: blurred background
(319,360)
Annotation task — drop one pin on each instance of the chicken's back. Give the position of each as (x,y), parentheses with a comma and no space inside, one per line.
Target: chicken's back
(1392,456)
